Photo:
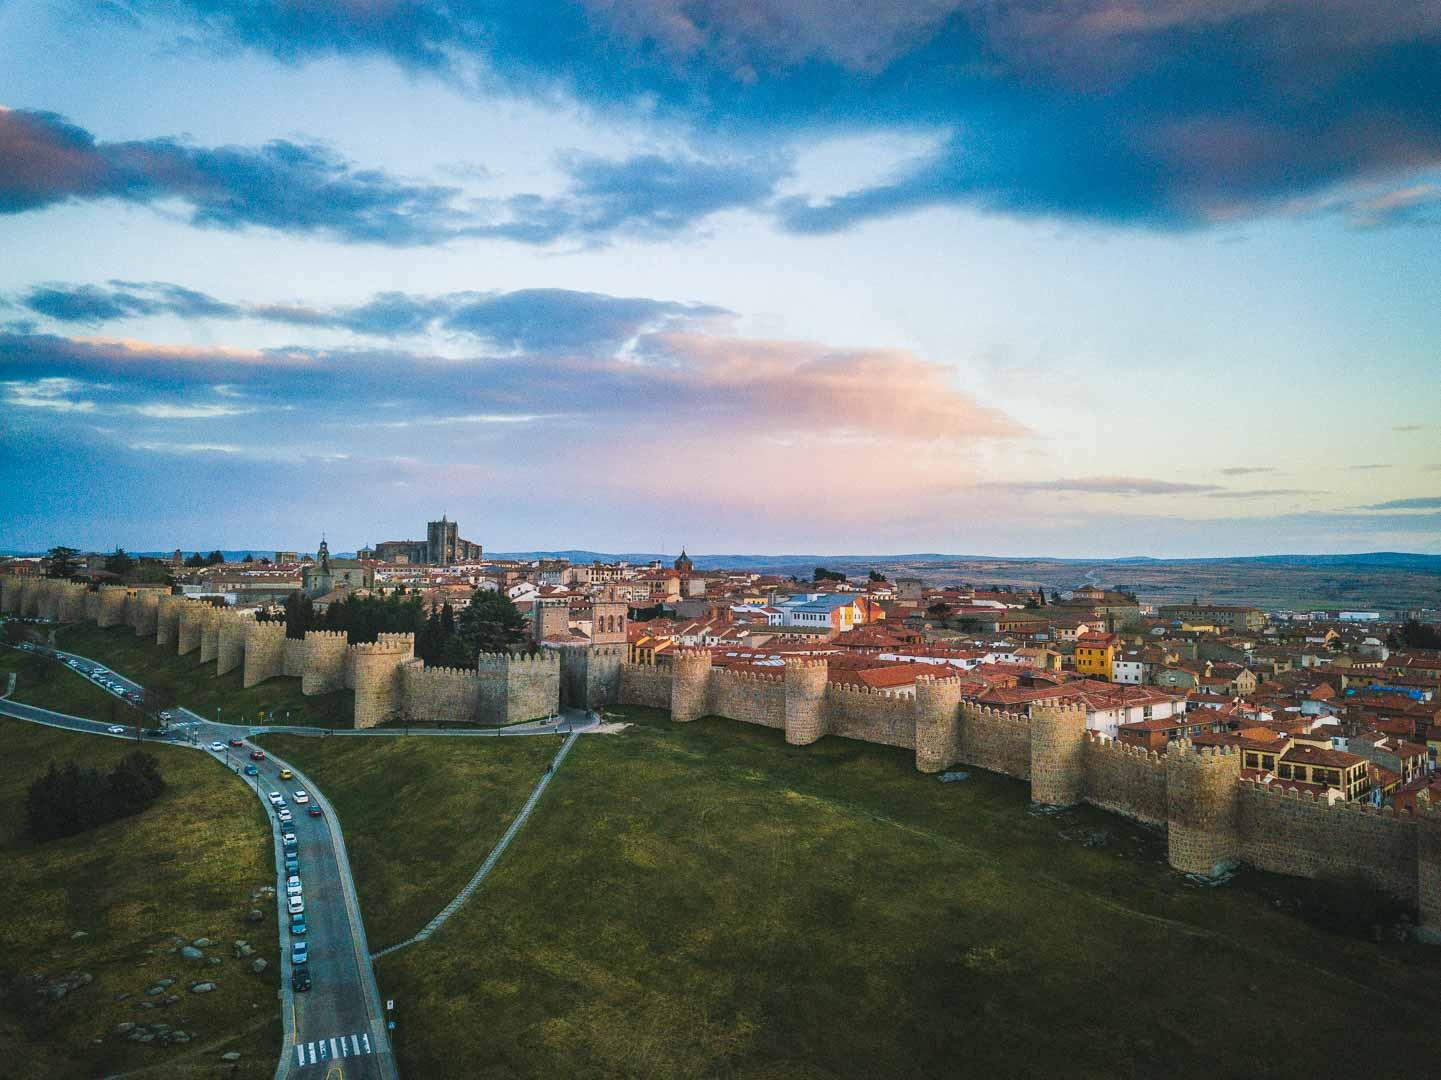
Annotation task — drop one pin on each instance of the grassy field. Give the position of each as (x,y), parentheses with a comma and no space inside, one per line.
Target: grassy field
(198,688)
(50,685)
(186,867)
(420,814)
(703,900)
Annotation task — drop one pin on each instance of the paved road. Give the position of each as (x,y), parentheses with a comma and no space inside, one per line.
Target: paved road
(336,1030)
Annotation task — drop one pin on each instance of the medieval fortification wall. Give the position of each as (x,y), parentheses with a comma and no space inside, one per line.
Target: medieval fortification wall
(388,682)
(1213,818)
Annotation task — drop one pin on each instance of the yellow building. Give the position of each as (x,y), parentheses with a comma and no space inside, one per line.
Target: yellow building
(1096,655)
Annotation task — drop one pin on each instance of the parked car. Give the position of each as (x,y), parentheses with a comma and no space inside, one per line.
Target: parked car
(292,864)
(154,733)
(300,978)
(295,905)
(293,886)
(167,717)
(276,799)
(297,924)
(301,796)
(287,841)
(285,816)
(299,952)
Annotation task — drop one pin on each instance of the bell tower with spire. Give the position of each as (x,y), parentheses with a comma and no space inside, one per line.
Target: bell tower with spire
(683,564)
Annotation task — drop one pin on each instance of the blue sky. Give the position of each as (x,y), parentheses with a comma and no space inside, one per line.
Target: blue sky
(1018,278)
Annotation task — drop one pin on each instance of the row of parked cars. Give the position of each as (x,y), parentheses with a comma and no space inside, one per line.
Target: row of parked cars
(300,980)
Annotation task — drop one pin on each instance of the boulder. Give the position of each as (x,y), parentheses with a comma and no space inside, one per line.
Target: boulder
(78,935)
(168,980)
(146,1005)
(230,1055)
(213,960)
(244,951)
(154,991)
(190,952)
(255,915)
(124,1028)
(257,965)
(180,1036)
(202,987)
(202,943)
(173,999)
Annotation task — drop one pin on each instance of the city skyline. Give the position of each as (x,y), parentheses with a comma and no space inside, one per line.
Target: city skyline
(763,283)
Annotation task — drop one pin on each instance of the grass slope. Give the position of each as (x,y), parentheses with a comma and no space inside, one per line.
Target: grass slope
(49,685)
(705,900)
(198,688)
(186,867)
(420,813)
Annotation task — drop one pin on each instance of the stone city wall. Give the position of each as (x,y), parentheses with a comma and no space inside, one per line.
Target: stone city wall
(293,658)
(264,652)
(324,666)
(644,684)
(441,694)
(995,740)
(748,697)
(1126,779)
(876,716)
(517,688)
(1290,832)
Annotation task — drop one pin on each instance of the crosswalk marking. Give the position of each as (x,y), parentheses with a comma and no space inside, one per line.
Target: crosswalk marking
(319,1051)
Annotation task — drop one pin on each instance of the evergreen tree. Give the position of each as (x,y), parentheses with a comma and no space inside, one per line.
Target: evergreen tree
(490,624)
(214,559)
(62,562)
(120,564)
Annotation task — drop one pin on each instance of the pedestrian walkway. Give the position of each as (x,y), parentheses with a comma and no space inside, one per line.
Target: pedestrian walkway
(320,1051)
(494,856)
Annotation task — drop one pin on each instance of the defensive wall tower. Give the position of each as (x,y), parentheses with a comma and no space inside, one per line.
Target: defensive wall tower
(1202,795)
(689,684)
(48,602)
(377,667)
(1058,741)
(292,651)
(167,619)
(938,736)
(143,610)
(110,606)
(264,651)
(324,661)
(210,638)
(92,606)
(230,640)
(805,700)
(9,595)
(195,617)
(70,604)
(30,597)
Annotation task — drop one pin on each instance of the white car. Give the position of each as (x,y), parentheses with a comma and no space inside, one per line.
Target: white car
(284,816)
(218,747)
(302,797)
(292,886)
(295,905)
(276,799)
(116,730)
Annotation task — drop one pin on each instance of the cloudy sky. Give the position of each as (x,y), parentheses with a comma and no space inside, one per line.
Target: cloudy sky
(1092,277)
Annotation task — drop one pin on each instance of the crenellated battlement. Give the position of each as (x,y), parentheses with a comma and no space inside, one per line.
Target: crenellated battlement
(869,691)
(387,645)
(543,660)
(748,676)
(327,635)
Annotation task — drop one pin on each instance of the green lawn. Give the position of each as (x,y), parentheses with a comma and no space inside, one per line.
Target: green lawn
(420,814)
(197,687)
(50,685)
(703,900)
(186,867)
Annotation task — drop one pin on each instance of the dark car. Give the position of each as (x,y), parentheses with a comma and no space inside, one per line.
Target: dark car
(154,733)
(314,810)
(297,924)
(300,978)
(251,770)
(257,755)
(292,865)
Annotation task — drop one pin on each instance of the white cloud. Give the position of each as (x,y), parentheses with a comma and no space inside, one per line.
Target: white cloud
(55,394)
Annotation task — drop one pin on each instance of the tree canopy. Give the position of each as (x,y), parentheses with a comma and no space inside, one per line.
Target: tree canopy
(67,799)
(62,562)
